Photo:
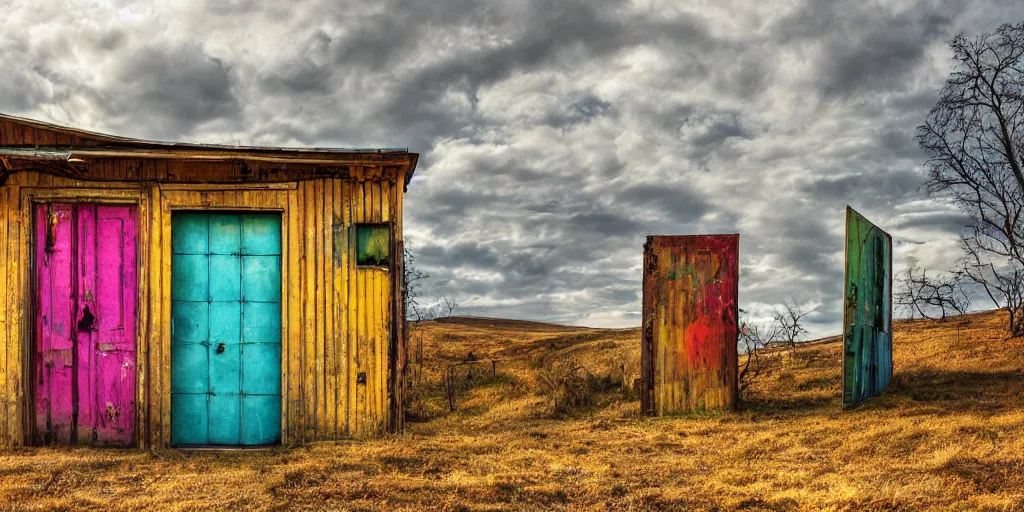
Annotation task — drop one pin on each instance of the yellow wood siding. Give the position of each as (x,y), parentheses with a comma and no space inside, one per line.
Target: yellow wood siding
(336,317)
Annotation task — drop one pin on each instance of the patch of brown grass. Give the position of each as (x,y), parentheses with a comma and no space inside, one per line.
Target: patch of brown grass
(948,434)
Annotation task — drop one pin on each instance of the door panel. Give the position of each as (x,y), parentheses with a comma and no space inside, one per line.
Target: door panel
(261,419)
(226,295)
(688,348)
(189,421)
(113,339)
(55,355)
(867,343)
(225,410)
(85,323)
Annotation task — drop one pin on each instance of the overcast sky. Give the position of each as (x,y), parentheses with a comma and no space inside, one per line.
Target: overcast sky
(554,136)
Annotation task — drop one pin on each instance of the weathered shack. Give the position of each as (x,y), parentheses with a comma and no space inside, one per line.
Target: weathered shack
(867,310)
(689,353)
(168,294)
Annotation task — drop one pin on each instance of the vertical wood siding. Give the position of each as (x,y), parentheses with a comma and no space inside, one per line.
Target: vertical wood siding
(341,357)
(690,314)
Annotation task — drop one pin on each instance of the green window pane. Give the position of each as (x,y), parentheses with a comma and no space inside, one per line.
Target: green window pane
(373,244)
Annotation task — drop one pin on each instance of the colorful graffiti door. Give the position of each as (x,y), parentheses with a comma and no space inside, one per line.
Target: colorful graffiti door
(84,359)
(867,310)
(226,329)
(689,349)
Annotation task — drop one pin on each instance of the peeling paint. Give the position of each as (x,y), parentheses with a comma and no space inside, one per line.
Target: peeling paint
(92,249)
(689,354)
(867,310)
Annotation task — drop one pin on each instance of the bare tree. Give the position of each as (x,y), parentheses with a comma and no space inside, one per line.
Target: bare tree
(411,284)
(790,317)
(975,138)
(931,297)
(448,306)
(1004,284)
(755,338)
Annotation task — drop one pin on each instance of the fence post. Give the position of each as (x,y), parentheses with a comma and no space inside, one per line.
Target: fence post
(494,368)
(449,380)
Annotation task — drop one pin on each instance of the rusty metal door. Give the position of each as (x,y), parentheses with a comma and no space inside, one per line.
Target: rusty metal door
(226,329)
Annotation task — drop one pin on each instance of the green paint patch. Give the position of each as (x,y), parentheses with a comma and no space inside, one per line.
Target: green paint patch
(373,242)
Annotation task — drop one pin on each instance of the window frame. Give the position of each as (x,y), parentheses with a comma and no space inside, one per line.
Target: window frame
(355,232)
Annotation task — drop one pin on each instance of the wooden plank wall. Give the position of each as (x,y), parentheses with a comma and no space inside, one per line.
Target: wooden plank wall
(13,133)
(345,312)
(337,316)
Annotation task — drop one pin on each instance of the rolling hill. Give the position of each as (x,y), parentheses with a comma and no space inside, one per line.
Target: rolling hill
(948,434)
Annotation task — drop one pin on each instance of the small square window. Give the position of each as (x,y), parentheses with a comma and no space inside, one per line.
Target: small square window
(373,245)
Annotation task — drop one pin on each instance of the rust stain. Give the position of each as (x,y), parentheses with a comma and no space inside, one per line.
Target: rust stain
(113,412)
(690,310)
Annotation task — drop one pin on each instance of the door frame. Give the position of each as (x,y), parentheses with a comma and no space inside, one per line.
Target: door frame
(119,196)
(221,198)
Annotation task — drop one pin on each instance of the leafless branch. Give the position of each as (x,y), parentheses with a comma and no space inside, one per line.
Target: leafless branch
(931,297)
(974,136)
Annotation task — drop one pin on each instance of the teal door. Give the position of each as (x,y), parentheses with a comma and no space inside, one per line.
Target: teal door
(225,329)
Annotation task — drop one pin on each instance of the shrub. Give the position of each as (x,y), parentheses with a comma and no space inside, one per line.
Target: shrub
(573,387)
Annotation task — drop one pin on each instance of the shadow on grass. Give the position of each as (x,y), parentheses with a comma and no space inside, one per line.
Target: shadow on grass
(970,389)
(955,390)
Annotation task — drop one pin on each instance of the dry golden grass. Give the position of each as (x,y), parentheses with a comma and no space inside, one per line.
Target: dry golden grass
(947,435)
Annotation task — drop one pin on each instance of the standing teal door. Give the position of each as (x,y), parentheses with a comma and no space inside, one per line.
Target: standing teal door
(225,329)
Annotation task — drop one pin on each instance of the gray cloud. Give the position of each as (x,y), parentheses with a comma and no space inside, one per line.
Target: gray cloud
(554,136)
(175,89)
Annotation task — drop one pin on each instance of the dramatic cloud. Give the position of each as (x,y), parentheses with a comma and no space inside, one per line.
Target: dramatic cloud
(555,136)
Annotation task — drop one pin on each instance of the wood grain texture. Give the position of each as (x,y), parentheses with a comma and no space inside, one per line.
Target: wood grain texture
(337,318)
(85,321)
(690,323)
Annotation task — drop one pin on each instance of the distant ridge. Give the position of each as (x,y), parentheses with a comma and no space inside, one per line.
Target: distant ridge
(511,324)
(535,326)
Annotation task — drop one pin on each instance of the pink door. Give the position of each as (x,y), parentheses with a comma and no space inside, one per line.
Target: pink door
(84,361)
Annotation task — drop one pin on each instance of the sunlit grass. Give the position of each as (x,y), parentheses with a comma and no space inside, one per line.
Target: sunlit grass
(947,435)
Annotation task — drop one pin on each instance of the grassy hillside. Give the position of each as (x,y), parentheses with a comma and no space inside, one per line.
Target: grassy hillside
(947,435)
